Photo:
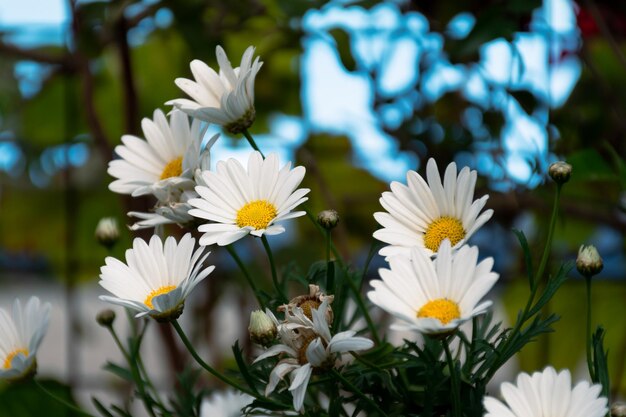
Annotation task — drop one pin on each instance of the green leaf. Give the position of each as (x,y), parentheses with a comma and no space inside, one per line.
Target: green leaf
(121,372)
(243,367)
(601,370)
(552,287)
(101,408)
(528,260)
(26,399)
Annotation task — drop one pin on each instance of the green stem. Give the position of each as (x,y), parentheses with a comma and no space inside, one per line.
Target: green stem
(61,400)
(358,392)
(134,371)
(252,142)
(535,280)
(320,229)
(206,366)
(330,274)
(246,274)
(268,249)
(548,247)
(454,380)
(588,344)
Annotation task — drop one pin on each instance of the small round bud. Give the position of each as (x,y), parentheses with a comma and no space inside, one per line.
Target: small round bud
(328,219)
(107,233)
(106,318)
(262,328)
(560,172)
(589,262)
(618,409)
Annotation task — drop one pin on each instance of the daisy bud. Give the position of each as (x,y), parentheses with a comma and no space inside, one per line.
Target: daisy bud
(328,219)
(107,233)
(589,262)
(262,328)
(105,318)
(618,409)
(560,172)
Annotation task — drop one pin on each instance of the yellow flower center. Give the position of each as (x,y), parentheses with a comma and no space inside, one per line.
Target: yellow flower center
(159,291)
(308,305)
(173,168)
(441,309)
(302,359)
(257,214)
(7,361)
(443,228)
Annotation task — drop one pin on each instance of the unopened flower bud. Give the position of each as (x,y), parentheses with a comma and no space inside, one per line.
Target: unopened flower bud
(589,262)
(618,409)
(105,318)
(328,219)
(560,172)
(262,328)
(107,232)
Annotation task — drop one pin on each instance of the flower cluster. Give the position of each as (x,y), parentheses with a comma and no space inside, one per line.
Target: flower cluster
(435,281)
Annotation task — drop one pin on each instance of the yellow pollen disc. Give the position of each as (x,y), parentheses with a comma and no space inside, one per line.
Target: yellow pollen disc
(7,361)
(163,290)
(302,359)
(441,309)
(257,214)
(173,168)
(309,305)
(443,228)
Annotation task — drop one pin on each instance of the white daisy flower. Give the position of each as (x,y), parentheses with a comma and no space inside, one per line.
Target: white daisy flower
(423,215)
(227,98)
(307,348)
(547,393)
(434,296)
(21,333)
(253,201)
(156,279)
(167,158)
(225,404)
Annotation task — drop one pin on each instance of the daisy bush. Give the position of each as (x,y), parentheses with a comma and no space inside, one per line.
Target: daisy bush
(418,339)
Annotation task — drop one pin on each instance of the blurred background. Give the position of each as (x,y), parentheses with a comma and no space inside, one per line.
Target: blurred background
(358,92)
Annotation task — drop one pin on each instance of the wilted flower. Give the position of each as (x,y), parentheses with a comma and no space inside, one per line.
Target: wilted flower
(328,219)
(227,98)
(547,394)
(560,172)
(299,309)
(589,262)
(107,232)
(263,327)
(434,296)
(308,348)
(239,202)
(156,278)
(423,215)
(21,333)
(167,158)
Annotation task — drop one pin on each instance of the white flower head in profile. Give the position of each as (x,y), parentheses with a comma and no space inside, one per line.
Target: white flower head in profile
(21,333)
(156,278)
(434,296)
(423,215)
(547,393)
(240,201)
(227,98)
(308,347)
(167,158)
